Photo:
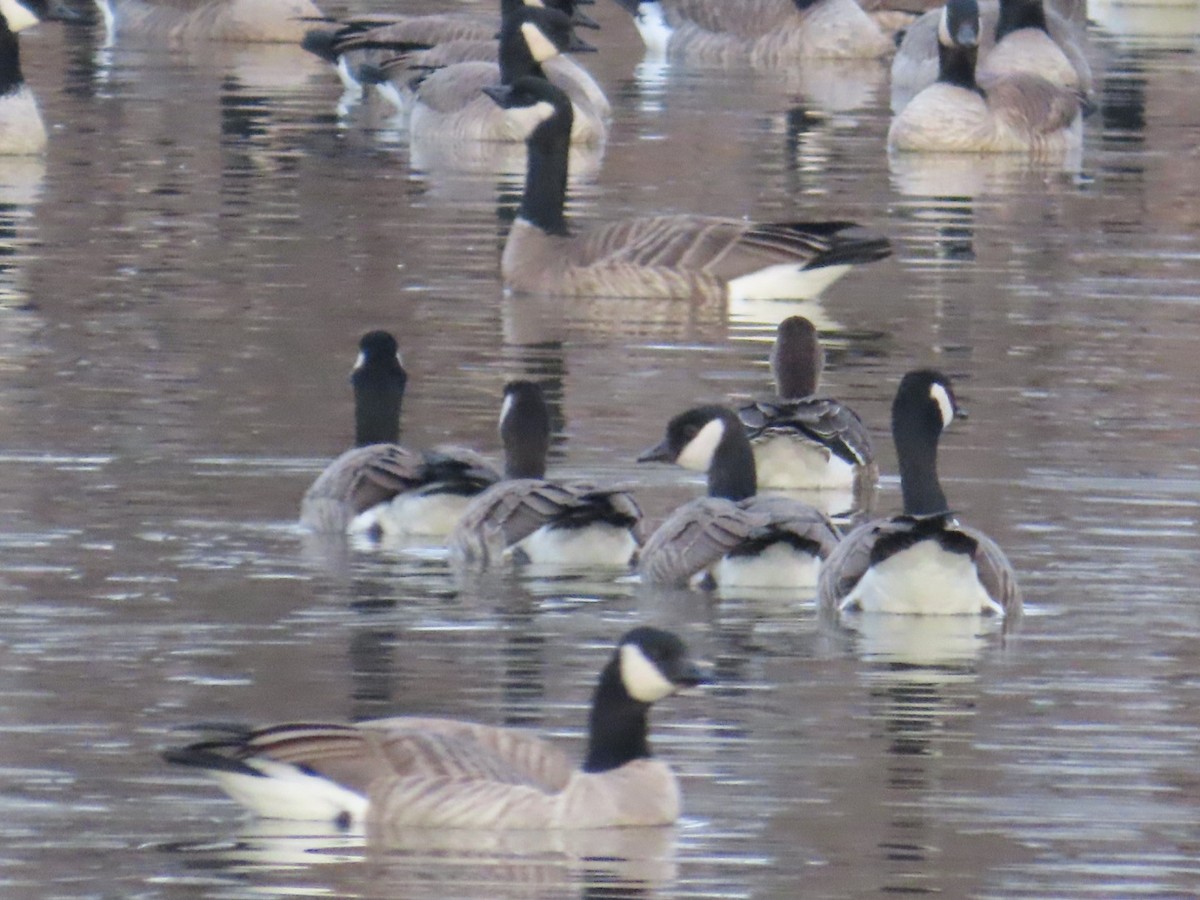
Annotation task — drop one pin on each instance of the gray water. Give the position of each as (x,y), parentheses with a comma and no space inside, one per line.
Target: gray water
(183,280)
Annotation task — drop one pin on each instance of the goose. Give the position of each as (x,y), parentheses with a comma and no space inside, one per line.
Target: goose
(449,104)
(443,773)
(682,256)
(22,132)
(765,33)
(379,487)
(732,538)
(546,523)
(924,561)
(186,21)
(801,440)
(1015,37)
(1012,114)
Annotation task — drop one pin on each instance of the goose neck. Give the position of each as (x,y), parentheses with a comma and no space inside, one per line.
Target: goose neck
(545,194)
(617,725)
(916,451)
(10,60)
(731,474)
(956,66)
(1018,14)
(377,410)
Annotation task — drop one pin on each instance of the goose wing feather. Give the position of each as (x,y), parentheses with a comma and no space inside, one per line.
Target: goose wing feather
(824,420)
(694,537)
(362,478)
(1032,105)
(800,521)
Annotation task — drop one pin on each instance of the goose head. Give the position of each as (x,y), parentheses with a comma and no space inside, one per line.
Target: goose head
(924,407)
(959,24)
(797,359)
(710,439)
(543,33)
(524,430)
(378,379)
(653,664)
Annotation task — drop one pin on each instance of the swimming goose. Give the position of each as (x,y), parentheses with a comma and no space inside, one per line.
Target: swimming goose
(1015,37)
(184,21)
(22,132)
(1011,114)
(378,487)
(924,561)
(801,440)
(681,256)
(450,104)
(547,523)
(732,538)
(765,33)
(442,773)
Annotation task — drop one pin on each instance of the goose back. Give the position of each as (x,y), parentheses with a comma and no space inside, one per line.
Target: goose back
(240,21)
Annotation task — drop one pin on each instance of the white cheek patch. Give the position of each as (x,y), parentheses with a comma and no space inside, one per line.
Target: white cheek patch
(528,118)
(506,408)
(18,16)
(941,397)
(642,679)
(697,454)
(944,28)
(536,3)
(359,361)
(540,46)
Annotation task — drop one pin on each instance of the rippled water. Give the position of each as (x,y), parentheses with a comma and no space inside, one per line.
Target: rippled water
(183,279)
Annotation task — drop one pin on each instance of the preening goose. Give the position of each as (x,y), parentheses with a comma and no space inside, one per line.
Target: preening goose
(378,487)
(924,561)
(801,440)
(186,21)
(1011,114)
(764,33)
(449,103)
(555,524)
(1015,37)
(442,773)
(732,538)
(679,257)
(22,132)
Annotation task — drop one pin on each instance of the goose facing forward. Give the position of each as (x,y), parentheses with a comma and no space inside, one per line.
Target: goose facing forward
(924,561)
(557,524)
(801,440)
(762,32)
(442,773)
(732,538)
(666,257)
(379,487)
(1011,114)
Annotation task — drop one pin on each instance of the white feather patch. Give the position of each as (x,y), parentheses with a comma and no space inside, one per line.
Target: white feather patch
(652,26)
(642,679)
(697,454)
(788,462)
(540,46)
(526,119)
(779,566)
(941,397)
(597,546)
(287,793)
(18,16)
(785,281)
(922,580)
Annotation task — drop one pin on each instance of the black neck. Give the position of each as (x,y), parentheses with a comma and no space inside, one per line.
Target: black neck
(916,450)
(525,458)
(956,66)
(1016,14)
(802,5)
(377,402)
(10,61)
(617,731)
(525,433)
(732,474)
(546,174)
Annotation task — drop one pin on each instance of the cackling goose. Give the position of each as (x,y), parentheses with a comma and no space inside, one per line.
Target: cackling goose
(732,538)
(546,523)
(924,561)
(681,256)
(378,487)
(441,773)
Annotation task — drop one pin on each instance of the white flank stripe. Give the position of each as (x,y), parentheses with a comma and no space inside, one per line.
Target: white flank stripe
(288,793)
(785,281)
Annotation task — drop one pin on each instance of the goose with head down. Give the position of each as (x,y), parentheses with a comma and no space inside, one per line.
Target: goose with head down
(668,256)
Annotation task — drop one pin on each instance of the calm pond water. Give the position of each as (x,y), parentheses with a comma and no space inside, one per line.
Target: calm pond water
(183,280)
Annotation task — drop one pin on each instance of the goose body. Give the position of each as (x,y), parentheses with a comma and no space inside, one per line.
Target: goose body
(924,561)
(800,440)
(442,773)
(379,487)
(732,538)
(1020,113)
(1046,45)
(545,523)
(763,33)
(667,257)
(187,21)
(22,132)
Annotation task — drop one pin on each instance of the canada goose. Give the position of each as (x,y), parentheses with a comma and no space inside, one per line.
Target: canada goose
(1012,114)
(379,487)
(801,440)
(682,256)
(732,538)
(21,130)
(443,773)
(1015,37)
(449,103)
(766,33)
(185,21)
(924,561)
(546,523)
